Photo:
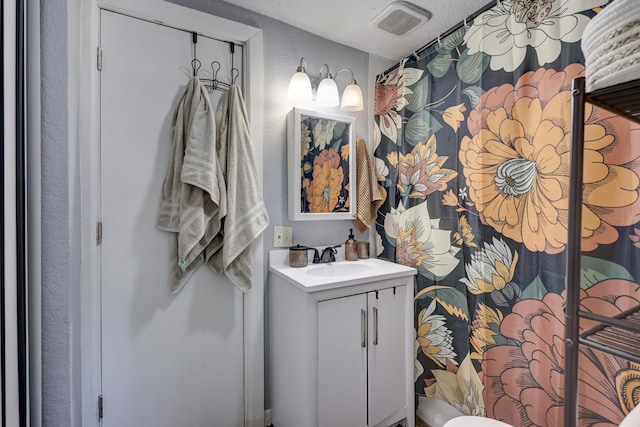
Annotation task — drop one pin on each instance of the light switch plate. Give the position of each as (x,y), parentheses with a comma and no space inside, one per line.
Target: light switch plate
(282,236)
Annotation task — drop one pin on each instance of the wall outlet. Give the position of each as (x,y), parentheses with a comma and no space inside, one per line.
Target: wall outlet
(282,236)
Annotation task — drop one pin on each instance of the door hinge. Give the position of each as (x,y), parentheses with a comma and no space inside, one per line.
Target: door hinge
(99,58)
(100,407)
(98,232)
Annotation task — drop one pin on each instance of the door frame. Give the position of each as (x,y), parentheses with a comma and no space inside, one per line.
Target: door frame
(182,18)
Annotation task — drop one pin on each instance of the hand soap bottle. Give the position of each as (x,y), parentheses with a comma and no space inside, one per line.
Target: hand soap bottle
(351,247)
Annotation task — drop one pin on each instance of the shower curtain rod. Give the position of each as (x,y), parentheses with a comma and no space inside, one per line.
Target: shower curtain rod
(448,32)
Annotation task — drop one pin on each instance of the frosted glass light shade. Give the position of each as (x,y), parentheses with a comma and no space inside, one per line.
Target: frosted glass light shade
(299,88)
(327,94)
(352,98)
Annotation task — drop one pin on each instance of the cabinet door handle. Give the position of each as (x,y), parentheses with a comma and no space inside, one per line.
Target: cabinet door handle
(363,329)
(375,325)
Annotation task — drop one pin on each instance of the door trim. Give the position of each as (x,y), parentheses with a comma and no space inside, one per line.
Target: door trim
(207,25)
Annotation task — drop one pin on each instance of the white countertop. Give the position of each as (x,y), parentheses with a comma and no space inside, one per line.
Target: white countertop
(317,277)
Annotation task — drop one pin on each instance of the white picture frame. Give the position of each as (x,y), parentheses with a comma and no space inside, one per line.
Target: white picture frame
(321,166)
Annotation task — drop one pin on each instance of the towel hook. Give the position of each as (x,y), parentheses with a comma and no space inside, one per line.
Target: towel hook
(215,67)
(465,22)
(213,83)
(195,66)
(235,73)
(439,42)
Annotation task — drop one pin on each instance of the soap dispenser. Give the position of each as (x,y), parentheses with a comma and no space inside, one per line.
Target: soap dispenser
(351,247)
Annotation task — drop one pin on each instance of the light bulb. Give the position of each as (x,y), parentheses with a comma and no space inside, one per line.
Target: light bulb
(299,88)
(352,98)
(327,94)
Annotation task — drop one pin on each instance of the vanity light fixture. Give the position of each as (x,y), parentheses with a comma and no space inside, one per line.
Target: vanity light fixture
(352,99)
(300,85)
(327,95)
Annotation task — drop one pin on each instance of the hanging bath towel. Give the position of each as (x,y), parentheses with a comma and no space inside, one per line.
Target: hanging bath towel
(193,200)
(369,196)
(247,215)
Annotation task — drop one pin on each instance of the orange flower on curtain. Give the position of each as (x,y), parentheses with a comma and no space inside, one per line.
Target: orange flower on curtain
(516,164)
(524,383)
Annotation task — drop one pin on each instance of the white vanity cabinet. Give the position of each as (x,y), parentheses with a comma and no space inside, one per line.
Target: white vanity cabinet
(342,345)
(361,340)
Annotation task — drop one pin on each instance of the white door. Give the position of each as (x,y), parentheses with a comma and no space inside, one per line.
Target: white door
(387,357)
(342,362)
(167,360)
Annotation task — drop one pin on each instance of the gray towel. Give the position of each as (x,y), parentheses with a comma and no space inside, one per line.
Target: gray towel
(247,215)
(194,198)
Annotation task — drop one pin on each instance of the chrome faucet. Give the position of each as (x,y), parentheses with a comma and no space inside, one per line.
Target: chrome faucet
(328,254)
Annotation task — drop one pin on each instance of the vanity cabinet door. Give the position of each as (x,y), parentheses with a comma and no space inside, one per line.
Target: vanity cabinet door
(362,358)
(342,362)
(387,353)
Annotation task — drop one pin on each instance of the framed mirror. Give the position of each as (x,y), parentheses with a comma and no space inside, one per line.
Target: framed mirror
(322,174)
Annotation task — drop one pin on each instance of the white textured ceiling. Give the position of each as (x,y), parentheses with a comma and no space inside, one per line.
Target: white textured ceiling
(349,21)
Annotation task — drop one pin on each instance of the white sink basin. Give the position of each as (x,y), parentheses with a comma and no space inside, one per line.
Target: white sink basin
(333,275)
(338,270)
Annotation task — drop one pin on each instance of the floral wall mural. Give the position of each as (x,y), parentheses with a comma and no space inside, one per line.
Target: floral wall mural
(472,146)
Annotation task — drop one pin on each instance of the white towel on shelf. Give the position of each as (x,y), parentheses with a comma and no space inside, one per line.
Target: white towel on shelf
(611,45)
(193,200)
(247,215)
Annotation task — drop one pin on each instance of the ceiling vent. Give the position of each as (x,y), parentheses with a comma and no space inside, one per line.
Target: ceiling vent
(401,18)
